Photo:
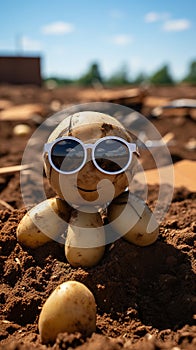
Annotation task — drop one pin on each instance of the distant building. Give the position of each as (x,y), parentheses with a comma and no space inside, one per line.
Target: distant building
(20,70)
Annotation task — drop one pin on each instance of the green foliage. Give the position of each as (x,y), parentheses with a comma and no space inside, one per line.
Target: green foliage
(140,78)
(191,76)
(91,77)
(162,77)
(121,77)
(58,81)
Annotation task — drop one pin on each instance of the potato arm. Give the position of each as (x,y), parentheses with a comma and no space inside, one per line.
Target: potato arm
(44,222)
(131,217)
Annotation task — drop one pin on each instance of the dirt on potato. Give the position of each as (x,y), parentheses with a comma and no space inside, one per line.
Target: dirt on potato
(145,295)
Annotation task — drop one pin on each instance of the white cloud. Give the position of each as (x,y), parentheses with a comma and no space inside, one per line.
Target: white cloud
(122,39)
(169,24)
(30,44)
(176,25)
(58,28)
(151,17)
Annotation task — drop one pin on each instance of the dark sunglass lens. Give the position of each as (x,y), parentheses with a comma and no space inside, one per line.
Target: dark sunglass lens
(67,155)
(112,155)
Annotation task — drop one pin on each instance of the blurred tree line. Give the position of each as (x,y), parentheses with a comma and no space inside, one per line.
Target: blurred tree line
(93,77)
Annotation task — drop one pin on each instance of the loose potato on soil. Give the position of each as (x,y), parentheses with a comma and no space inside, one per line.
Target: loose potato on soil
(85,242)
(70,308)
(43,223)
(21,130)
(133,219)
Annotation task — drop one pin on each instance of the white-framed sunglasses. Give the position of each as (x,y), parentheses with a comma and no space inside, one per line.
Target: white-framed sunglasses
(110,154)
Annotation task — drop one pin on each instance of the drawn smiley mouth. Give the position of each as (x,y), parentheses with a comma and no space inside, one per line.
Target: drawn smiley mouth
(85,190)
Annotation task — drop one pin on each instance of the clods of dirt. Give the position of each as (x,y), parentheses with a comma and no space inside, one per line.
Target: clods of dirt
(145,295)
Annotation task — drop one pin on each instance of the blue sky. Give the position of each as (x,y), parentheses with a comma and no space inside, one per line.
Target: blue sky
(69,35)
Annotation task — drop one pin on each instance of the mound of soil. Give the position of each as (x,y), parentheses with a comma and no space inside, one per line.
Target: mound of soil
(145,295)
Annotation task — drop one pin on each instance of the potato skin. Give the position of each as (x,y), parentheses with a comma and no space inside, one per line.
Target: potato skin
(44,217)
(85,241)
(133,219)
(70,308)
(88,126)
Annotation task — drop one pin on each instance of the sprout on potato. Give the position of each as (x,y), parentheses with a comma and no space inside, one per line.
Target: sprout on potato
(70,308)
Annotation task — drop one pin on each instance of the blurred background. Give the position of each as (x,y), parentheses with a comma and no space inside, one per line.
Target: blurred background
(54,55)
(111,43)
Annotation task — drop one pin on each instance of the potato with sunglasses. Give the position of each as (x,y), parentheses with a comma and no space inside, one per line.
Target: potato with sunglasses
(89,161)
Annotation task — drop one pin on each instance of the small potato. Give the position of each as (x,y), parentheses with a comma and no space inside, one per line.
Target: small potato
(21,130)
(70,308)
(43,223)
(85,241)
(133,220)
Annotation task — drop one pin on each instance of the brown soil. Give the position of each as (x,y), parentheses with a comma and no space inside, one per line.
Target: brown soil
(145,296)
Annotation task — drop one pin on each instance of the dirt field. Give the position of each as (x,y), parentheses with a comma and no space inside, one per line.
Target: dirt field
(145,296)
